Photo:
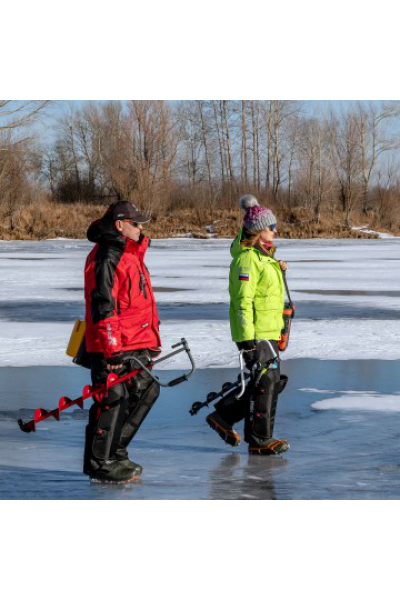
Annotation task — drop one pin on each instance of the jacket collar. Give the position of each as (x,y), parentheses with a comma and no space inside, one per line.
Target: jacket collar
(139,248)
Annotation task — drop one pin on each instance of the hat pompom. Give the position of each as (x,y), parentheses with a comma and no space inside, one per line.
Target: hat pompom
(248,201)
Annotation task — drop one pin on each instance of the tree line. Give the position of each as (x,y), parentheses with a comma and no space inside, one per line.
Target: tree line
(310,163)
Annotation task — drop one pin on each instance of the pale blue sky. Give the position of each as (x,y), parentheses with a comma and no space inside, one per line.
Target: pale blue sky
(48,124)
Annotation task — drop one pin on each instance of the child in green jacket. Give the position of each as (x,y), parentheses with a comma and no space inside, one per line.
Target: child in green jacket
(256,291)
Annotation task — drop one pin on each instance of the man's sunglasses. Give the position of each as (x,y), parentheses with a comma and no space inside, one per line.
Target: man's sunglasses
(133,223)
(272,227)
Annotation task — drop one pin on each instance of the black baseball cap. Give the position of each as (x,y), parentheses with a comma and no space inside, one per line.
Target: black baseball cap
(124,210)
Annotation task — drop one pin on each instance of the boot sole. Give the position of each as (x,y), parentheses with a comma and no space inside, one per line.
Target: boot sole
(270,450)
(227,436)
(95,479)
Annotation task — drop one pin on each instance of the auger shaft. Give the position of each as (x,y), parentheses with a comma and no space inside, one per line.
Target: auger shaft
(100,392)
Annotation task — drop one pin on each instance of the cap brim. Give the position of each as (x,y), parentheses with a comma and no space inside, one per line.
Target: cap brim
(139,218)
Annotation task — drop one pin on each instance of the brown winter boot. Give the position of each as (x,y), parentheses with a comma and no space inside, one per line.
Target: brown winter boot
(224,430)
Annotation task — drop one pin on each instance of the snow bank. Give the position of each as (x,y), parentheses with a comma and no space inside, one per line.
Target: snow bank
(360,401)
(380,234)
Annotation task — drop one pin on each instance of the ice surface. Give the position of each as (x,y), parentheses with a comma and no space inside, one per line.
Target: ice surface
(41,294)
(340,412)
(333,454)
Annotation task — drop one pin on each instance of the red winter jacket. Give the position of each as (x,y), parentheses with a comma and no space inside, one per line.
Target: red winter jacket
(121,312)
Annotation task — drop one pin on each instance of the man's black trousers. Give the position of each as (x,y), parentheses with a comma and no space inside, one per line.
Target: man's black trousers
(113,423)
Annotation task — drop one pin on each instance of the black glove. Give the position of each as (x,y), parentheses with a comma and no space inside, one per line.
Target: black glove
(247,345)
(250,352)
(257,351)
(114,360)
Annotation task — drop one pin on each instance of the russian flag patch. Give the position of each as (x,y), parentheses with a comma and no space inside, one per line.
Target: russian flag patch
(243,277)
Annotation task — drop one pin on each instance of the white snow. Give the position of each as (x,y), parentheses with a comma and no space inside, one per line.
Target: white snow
(380,234)
(360,401)
(41,294)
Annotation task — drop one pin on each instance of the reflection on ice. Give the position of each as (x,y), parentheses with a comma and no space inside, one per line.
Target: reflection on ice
(238,477)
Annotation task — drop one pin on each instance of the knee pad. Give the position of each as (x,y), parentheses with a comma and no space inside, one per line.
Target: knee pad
(105,423)
(139,407)
(282,383)
(266,390)
(262,406)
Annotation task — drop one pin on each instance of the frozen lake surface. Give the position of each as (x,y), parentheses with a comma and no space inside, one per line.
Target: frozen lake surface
(340,412)
(342,450)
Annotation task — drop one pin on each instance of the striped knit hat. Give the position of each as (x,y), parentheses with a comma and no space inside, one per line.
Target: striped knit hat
(256,217)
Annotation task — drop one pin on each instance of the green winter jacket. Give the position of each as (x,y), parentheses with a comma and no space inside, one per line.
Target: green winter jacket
(257,294)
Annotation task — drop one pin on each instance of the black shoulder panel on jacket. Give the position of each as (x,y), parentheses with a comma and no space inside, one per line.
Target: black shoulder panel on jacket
(106,262)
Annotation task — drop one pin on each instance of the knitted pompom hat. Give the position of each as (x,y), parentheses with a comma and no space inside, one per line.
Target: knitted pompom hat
(256,217)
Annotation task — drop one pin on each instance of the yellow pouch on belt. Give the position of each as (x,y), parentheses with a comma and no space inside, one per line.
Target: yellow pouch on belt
(77,335)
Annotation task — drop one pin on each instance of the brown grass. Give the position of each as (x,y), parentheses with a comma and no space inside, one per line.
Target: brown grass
(50,220)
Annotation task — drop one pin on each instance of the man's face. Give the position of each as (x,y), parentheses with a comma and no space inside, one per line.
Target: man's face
(129,229)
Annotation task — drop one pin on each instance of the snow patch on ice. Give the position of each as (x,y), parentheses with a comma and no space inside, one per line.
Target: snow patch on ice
(360,401)
(380,234)
(317,391)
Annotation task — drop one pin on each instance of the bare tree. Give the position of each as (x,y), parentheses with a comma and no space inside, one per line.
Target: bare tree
(216,109)
(347,159)
(243,157)
(15,114)
(17,182)
(374,140)
(154,144)
(293,146)
(228,146)
(206,145)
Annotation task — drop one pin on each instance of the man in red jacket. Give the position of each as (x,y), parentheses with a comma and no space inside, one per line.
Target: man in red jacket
(121,318)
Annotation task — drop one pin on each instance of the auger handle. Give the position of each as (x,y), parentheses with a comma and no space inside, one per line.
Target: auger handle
(178,380)
(184,348)
(182,378)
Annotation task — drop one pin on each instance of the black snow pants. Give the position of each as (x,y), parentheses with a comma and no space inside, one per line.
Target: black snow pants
(258,404)
(113,423)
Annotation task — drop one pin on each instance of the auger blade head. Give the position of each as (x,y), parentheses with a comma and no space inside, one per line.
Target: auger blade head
(196,406)
(26,427)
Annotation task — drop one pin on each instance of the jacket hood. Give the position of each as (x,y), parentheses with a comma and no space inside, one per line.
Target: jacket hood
(103,230)
(236,248)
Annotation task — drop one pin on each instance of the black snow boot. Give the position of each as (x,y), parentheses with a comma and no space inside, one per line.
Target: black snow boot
(113,471)
(126,462)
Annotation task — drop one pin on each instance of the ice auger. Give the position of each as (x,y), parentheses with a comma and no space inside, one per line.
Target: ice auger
(267,355)
(239,385)
(100,392)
